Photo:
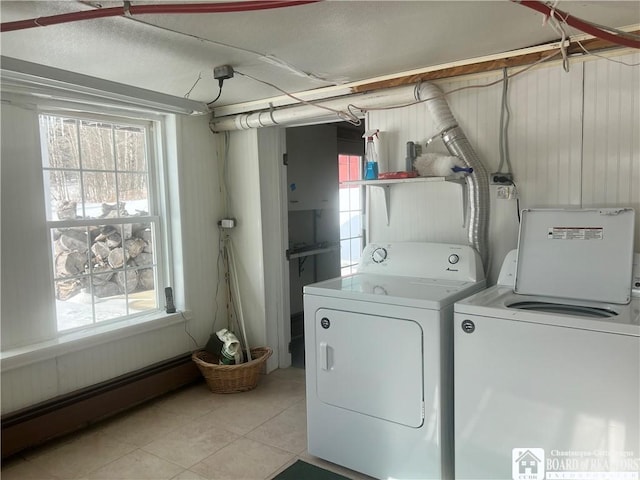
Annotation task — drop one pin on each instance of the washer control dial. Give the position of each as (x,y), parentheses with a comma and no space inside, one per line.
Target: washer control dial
(453,259)
(379,255)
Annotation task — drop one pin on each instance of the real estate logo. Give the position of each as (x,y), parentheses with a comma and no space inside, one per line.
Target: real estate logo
(527,463)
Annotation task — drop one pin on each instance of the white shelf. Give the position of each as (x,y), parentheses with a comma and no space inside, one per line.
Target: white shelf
(390,181)
(315,251)
(386,185)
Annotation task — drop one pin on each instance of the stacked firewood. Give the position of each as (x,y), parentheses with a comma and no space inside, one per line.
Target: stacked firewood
(97,256)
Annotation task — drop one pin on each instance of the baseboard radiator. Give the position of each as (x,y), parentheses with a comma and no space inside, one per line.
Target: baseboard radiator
(53,418)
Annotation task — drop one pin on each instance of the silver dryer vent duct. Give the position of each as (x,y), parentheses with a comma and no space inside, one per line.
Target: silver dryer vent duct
(458,145)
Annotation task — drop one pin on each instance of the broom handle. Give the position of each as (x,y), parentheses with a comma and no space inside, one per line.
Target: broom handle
(237,296)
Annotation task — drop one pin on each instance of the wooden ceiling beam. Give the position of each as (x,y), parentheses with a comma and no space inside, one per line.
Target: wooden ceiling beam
(592,45)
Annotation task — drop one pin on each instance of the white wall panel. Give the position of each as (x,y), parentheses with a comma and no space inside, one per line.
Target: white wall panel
(103,362)
(418,212)
(611,135)
(545,135)
(477,111)
(27,296)
(201,208)
(244,193)
(29,385)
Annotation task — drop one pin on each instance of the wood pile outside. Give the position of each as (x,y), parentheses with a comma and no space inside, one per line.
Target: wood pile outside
(110,259)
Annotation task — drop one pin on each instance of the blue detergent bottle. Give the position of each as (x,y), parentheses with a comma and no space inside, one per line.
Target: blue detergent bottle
(371,158)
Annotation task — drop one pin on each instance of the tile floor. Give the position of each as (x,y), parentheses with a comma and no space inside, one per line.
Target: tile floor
(191,434)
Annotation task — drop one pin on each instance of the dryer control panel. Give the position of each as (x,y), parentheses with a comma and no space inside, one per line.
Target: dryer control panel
(423,260)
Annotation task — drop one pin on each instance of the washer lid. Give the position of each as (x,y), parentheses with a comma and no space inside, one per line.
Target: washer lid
(497,302)
(582,254)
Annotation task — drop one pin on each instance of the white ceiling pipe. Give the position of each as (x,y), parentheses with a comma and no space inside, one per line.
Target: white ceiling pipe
(303,113)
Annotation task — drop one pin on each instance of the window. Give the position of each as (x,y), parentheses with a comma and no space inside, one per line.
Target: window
(351,209)
(103,217)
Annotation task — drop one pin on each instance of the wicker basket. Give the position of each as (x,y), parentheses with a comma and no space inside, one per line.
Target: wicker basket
(231,378)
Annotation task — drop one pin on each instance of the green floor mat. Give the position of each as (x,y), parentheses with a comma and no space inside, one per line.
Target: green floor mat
(305,471)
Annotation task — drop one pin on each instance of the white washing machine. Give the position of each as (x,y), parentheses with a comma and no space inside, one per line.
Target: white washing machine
(378,352)
(547,362)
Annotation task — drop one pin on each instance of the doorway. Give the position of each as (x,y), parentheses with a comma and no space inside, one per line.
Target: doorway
(325,234)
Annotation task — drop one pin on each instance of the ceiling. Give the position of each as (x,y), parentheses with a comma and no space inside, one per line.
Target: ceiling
(296,48)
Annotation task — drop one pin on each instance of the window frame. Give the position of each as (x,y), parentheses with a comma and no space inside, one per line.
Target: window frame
(361,193)
(157,193)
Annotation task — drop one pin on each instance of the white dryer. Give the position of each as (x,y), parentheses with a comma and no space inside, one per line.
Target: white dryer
(547,362)
(378,352)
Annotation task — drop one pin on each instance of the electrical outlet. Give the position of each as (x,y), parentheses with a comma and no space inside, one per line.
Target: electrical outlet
(499,178)
(227,222)
(507,192)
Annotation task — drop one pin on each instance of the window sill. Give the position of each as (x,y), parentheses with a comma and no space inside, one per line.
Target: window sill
(81,340)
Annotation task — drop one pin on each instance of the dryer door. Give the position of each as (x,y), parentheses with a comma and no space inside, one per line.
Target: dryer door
(371,365)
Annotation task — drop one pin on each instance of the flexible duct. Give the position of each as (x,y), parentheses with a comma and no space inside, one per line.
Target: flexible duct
(458,145)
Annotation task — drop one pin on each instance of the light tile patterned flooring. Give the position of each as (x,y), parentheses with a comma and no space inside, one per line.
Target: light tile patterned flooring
(191,434)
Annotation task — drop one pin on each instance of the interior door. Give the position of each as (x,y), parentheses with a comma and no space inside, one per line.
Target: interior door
(370,364)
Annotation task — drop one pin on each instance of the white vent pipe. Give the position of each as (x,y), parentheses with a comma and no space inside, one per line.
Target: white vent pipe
(301,114)
(458,145)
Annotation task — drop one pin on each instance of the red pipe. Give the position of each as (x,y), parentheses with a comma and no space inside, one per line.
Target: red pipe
(579,24)
(151,9)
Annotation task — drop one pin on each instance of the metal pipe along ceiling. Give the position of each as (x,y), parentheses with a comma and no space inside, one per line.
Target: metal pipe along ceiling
(172,8)
(298,114)
(582,25)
